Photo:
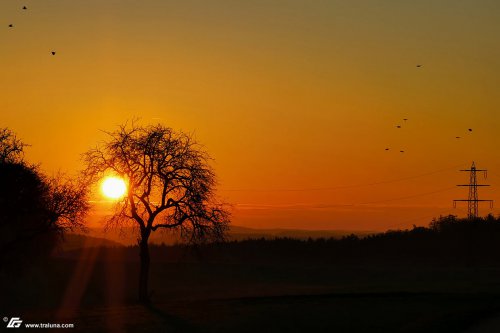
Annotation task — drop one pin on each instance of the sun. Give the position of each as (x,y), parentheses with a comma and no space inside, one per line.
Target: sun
(113,187)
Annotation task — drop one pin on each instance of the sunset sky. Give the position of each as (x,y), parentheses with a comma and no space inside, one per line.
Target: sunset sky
(295,100)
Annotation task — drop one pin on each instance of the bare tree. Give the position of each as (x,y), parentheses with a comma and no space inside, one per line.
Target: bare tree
(34,208)
(66,202)
(170,186)
(11,148)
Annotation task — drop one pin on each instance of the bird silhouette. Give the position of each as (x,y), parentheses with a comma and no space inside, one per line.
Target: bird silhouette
(470,129)
(405,119)
(418,65)
(398,126)
(11,25)
(53,52)
(457,137)
(24,7)
(387,148)
(401,151)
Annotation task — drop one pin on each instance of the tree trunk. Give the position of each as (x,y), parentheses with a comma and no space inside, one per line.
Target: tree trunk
(144,272)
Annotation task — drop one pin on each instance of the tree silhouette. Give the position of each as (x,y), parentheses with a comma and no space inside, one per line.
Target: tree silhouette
(11,148)
(66,202)
(170,186)
(34,209)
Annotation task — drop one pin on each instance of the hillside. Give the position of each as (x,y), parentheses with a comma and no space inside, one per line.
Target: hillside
(128,236)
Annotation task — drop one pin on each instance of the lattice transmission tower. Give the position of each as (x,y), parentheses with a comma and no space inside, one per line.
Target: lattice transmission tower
(473,200)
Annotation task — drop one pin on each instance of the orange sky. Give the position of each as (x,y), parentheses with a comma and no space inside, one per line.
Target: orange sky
(295,100)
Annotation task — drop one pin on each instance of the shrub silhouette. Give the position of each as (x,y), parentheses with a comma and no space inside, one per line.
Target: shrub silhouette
(23,222)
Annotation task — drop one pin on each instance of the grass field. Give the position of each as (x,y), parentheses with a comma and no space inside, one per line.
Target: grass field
(96,290)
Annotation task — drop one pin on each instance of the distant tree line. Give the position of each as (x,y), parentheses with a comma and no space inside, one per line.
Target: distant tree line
(446,240)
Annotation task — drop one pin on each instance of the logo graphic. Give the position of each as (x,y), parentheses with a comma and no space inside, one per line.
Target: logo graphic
(14,322)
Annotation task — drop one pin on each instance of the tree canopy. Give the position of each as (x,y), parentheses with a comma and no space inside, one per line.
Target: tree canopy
(170,181)
(11,147)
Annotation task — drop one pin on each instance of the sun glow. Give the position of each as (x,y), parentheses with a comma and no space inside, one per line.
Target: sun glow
(113,187)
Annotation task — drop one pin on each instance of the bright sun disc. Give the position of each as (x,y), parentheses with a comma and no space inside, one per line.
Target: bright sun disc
(113,187)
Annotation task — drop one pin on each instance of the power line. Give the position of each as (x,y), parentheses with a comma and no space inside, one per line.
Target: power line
(406,197)
(345,186)
(391,199)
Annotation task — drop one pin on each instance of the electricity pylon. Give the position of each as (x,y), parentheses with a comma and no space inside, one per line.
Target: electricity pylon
(473,200)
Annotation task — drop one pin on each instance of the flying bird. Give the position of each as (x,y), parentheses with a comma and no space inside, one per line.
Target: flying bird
(24,7)
(398,126)
(470,129)
(53,52)
(387,148)
(11,25)
(457,137)
(401,151)
(418,65)
(405,119)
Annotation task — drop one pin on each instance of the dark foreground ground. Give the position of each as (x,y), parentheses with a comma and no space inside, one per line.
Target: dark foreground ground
(96,290)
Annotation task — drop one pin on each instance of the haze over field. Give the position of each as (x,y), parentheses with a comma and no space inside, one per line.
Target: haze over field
(297,101)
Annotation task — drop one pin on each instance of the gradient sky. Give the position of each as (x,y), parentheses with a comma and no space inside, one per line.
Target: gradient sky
(295,100)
